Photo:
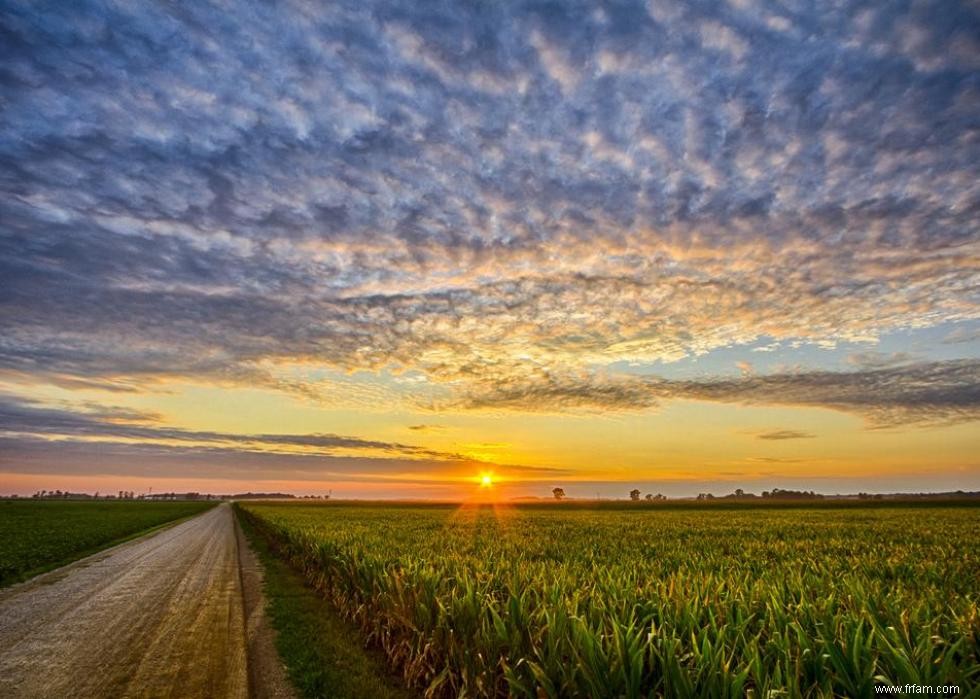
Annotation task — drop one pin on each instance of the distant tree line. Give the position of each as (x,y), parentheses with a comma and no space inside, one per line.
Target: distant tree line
(68,495)
(119,495)
(775,493)
(132,495)
(636,495)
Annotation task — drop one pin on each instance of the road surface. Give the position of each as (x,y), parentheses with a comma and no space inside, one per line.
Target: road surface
(161,616)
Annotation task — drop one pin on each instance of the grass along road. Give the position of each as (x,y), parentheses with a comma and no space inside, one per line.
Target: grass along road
(323,653)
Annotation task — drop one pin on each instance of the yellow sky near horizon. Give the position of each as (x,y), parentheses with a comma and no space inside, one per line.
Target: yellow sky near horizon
(677,443)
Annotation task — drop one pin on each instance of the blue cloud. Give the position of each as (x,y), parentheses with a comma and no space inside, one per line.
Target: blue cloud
(193,191)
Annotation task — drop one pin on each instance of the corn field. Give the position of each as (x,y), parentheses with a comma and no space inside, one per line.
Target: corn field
(554,601)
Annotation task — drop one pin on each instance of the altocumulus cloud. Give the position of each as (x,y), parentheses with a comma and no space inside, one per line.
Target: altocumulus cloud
(18,416)
(488,193)
(34,437)
(925,393)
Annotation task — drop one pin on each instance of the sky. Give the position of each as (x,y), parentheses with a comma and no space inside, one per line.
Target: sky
(381,249)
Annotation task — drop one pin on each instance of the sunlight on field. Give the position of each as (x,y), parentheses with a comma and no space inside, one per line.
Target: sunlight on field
(679,601)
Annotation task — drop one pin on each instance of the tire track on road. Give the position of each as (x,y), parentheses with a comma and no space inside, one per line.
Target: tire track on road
(154,617)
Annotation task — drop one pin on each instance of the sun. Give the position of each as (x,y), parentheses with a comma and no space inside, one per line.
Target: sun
(486,480)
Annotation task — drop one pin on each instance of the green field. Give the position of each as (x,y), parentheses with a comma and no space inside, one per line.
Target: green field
(38,535)
(549,601)
(322,655)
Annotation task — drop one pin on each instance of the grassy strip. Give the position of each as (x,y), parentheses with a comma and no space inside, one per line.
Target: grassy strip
(53,540)
(324,655)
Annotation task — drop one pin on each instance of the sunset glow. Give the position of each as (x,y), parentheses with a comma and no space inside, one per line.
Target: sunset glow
(382,251)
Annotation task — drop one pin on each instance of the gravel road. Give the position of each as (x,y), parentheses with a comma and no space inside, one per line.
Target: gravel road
(160,616)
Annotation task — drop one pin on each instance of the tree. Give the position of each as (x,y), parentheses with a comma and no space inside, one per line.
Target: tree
(559,493)
(648,497)
(634,494)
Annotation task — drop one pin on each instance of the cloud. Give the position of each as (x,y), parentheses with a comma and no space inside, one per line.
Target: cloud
(37,438)
(880,360)
(33,455)
(18,416)
(479,192)
(925,393)
(779,435)
(962,336)
(547,391)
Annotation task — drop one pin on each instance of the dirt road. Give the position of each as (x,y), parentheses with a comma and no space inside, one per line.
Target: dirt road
(161,616)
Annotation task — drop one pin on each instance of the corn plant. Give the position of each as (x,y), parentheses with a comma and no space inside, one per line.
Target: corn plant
(557,602)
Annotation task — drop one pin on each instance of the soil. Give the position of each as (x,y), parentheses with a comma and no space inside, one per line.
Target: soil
(177,613)
(266,672)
